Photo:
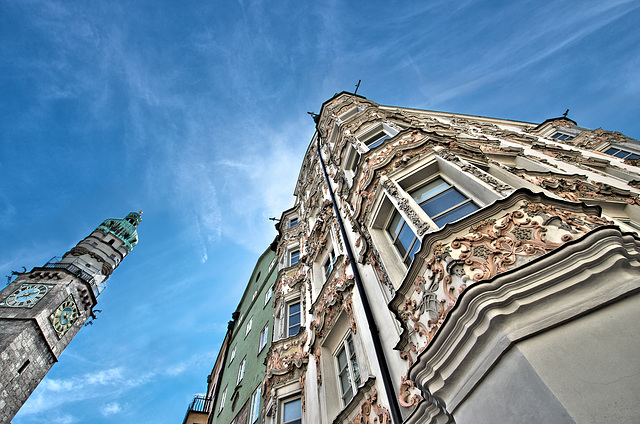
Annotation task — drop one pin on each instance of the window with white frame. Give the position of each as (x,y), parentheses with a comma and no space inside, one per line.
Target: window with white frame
(440,200)
(241,371)
(620,153)
(255,293)
(328,263)
(377,135)
(249,324)
(352,160)
(294,257)
(222,399)
(562,136)
(348,369)
(267,295)
(255,406)
(293,222)
(403,238)
(293,318)
(264,335)
(233,354)
(291,411)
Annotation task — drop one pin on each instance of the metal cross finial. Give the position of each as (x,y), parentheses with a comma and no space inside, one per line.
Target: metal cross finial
(357,86)
(565,113)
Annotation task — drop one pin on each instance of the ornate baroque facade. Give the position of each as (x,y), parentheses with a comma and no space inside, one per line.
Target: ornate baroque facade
(450,268)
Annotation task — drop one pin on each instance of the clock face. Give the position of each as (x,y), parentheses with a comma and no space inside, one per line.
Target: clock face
(64,316)
(26,296)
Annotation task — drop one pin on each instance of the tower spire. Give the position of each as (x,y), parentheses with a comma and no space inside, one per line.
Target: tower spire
(43,309)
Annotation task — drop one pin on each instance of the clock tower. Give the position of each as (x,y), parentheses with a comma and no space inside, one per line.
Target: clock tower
(43,309)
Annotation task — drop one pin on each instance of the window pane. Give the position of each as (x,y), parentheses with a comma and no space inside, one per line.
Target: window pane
(348,395)
(294,320)
(293,411)
(413,251)
(377,140)
(342,359)
(621,154)
(430,189)
(442,202)
(395,224)
(633,156)
(405,238)
(295,257)
(455,214)
(611,151)
(294,330)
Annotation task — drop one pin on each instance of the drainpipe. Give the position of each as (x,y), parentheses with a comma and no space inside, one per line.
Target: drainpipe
(373,328)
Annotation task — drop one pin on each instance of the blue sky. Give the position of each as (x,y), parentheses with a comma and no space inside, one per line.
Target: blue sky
(195,112)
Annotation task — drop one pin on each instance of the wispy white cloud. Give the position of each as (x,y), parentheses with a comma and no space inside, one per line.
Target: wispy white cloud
(527,48)
(110,409)
(52,393)
(64,419)
(107,384)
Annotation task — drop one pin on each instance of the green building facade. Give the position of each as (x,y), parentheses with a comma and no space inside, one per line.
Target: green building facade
(239,394)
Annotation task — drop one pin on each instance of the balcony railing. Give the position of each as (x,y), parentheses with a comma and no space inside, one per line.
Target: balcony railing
(78,272)
(200,404)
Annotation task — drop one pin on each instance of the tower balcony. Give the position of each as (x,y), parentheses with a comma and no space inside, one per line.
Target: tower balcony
(77,268)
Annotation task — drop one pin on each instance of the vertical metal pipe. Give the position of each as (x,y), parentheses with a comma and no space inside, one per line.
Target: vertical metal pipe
(373,328)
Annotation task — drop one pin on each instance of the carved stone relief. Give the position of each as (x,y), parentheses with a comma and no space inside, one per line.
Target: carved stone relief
(505,240)
(405,206)
(370,412)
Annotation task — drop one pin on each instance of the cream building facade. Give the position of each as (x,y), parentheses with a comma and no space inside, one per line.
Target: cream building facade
(447,268)
(441,268)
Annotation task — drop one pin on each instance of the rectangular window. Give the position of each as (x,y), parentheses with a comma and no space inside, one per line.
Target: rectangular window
(377,139)
(403,238)
(561,136)
(328,264)
(241,371)
(294,257)
(249,324)
(233,354)
(268,294)
(264,335)
(292,412)
(348,370)
(622,154)
(222,399)
(255,406)
(353,159)
(293,222)
(293,319)
(442,202)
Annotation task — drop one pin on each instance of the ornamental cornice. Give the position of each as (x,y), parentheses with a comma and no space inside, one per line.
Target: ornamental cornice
(576,187)
(333,299)
(320,233)
(408,144)
(285,367)
(501,237)
(495,184)
(289,279)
